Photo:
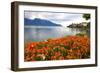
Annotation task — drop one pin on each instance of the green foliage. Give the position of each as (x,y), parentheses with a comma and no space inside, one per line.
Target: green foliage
(66,47)
(64,53)
(38,58)
(88,25)
(80,34)
(86,16)
(56,49)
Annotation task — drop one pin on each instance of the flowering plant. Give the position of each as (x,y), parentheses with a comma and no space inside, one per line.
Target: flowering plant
(70,47)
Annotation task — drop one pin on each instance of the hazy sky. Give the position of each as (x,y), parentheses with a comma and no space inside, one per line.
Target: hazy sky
(57,17)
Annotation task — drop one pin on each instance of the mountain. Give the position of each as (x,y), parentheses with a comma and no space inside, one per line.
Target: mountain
(39,22)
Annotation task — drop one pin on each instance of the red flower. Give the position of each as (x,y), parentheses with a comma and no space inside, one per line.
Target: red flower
(74,45)
(61,58)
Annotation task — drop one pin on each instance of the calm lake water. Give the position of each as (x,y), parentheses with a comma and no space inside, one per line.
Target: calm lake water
(32,34)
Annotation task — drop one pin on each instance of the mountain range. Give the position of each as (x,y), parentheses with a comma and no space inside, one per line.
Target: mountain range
(39,22)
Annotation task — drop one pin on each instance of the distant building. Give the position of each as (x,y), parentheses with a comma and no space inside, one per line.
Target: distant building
(84,23)
(78,25)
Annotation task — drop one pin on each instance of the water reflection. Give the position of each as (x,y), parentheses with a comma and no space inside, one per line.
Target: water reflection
(40,34)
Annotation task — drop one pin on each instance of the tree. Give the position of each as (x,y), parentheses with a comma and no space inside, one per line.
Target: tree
(86,16)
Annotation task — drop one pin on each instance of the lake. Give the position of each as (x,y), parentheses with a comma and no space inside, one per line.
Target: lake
(34,33)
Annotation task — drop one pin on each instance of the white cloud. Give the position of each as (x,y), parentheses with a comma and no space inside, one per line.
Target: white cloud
(60,18)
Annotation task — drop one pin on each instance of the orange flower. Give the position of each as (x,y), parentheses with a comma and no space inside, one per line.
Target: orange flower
(70,47)
(34,50)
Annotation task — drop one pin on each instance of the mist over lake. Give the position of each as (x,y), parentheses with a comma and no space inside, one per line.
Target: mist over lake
(34,33)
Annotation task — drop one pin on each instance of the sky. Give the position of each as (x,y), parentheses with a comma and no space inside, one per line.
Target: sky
(62,18)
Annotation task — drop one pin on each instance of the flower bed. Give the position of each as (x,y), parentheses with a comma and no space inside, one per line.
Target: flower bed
(70,47)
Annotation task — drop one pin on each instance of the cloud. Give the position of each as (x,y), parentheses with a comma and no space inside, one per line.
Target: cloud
(57,17)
